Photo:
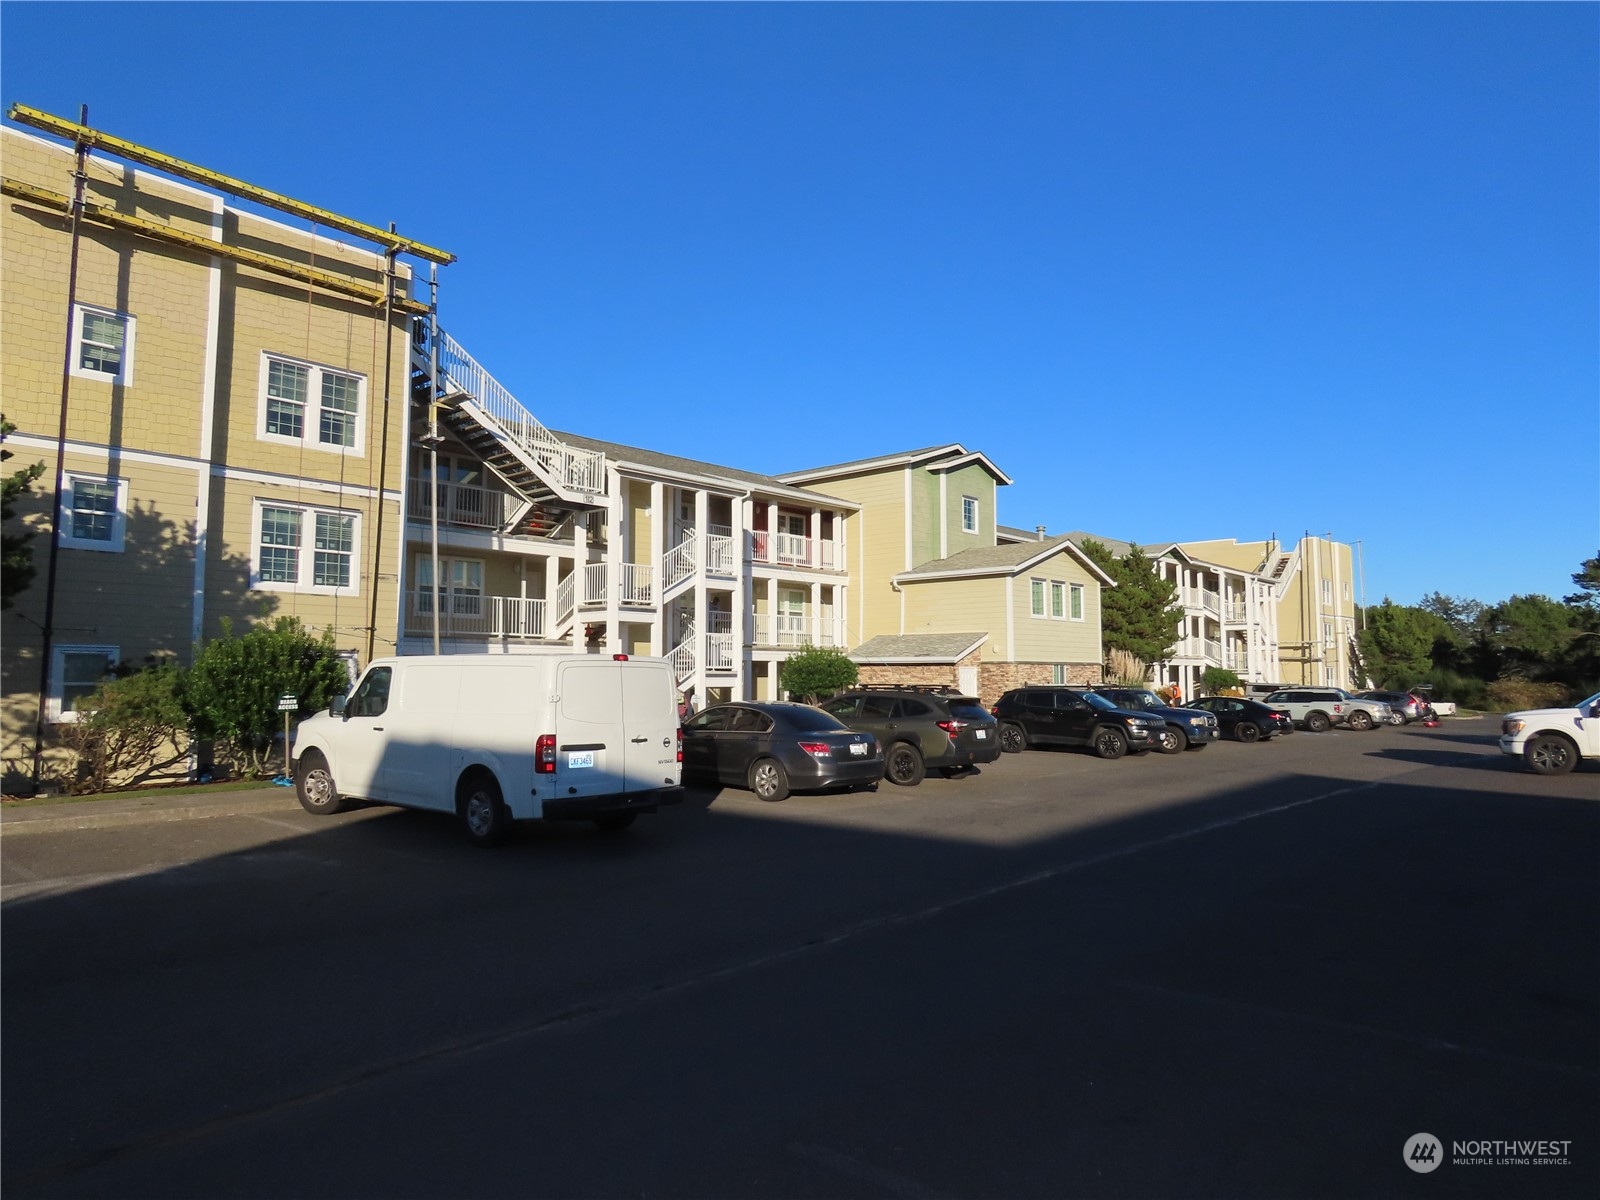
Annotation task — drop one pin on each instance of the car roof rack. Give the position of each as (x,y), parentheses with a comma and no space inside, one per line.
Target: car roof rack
(938,689)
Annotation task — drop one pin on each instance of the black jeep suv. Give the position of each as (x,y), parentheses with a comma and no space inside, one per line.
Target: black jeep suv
(1067,716)
(1186,729)
(921,727)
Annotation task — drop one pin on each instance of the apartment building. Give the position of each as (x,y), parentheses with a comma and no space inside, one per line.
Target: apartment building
(224,380)
(1313,591)
(941,597)
(547,541)
(1266,613)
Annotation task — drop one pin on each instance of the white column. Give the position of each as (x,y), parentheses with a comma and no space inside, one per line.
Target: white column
(580,561)
(702,545)
(814,554)
(772,531)
(814,613)
(739,605)
(658,569)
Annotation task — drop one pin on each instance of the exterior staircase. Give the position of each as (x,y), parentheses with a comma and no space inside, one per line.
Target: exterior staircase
(490,421)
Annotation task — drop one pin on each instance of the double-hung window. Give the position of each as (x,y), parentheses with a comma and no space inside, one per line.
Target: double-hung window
(94,512)
(312,406)
(1058,599)
(969,514)
(301,549)
(1076,607)
(75,673)
(102,344)
(1036,597)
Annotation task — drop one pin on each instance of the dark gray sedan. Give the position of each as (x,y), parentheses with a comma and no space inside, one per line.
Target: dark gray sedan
(773,749)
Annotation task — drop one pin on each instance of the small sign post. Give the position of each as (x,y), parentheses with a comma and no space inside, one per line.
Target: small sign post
(287,703)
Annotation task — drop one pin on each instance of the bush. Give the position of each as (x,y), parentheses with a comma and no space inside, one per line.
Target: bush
(231,693)
(1513,695)
(1217,680)
(129,730)
(815,672)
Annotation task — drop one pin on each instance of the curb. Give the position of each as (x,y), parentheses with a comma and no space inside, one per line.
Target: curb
(145,810)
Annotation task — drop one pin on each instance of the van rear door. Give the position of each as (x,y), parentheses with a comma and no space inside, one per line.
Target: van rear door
(650,725)
(590,753)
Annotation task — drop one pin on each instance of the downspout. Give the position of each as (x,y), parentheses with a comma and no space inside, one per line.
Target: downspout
(80,178)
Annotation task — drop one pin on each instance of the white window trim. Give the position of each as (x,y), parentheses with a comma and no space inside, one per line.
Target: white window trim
(1078,590)
(312,422)
(976,514)
(1058,592)
(123,377)
(307,549)
(58,665)
(119,523)
(1042,612)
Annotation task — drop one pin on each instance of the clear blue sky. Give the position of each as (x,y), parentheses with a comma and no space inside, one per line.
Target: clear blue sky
(1182,271)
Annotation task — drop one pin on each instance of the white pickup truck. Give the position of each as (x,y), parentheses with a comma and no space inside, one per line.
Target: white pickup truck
(1552,740)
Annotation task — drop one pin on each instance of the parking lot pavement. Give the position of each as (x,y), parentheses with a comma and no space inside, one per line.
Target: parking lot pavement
(1251,970)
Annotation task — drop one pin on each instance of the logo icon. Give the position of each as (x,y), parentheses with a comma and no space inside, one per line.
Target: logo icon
(1423,1152)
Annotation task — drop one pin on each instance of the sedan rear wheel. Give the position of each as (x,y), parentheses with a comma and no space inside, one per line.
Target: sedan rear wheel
(904,765)
(1247,731)
(1012,739)
(769,781)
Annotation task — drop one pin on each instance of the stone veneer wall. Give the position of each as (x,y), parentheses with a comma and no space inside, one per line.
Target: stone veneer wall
(994,678)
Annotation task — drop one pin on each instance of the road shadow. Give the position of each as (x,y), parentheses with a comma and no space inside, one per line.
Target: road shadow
(1128,1005)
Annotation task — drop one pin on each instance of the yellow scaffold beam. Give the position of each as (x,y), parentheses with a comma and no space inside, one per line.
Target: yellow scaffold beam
(72,131)
(101,215)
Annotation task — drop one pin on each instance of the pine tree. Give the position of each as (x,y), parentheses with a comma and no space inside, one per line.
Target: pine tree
(1138,615)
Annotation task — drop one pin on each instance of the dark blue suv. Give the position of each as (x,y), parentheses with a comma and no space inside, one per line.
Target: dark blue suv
(1186,728)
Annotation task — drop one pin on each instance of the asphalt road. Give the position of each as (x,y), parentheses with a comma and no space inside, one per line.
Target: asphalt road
(1249,971)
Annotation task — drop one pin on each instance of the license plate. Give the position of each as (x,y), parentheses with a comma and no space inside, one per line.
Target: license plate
(858,748)
(580,758)
(980,734)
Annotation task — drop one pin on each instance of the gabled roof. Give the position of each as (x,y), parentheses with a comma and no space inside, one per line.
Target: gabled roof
(710,473)
(918,648)
(956,454)
(1119,548)
(1008,558)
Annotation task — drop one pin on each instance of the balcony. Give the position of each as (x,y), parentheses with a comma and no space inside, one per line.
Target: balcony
(1202,598)
(1237,660)
(635,584)
(517,618)
(1234,612)
(795,550)
(462,504)
(791,630)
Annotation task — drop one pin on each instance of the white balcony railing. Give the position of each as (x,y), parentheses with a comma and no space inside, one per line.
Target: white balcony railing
(636,586)
(794,550)
(722,558)
(465,615)
(1235,613)
(678,563)
(462,504)
(564,599)
(1213,650)
(594,583)
(721,653)
(788,629)
(1237,660)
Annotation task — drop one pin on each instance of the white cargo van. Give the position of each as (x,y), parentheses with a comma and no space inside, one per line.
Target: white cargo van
(499,739)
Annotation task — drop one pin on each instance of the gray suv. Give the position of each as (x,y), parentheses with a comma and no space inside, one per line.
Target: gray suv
(1320,708)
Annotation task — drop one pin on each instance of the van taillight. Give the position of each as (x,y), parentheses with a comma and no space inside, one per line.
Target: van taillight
(680,743)
(544,754)
(619,658)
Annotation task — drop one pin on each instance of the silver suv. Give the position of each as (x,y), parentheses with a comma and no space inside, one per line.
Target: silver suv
(1319,709)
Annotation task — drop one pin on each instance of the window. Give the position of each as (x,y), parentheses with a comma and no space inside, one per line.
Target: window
(969,514)
(371,699)
(1347,589)
(1327,591)
(102,344)
(75,672)
(1058,673)
(1077,602)
(460,590)
(1058,599)
(1036,596)
(94,512)
(311,406)
(305,549)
